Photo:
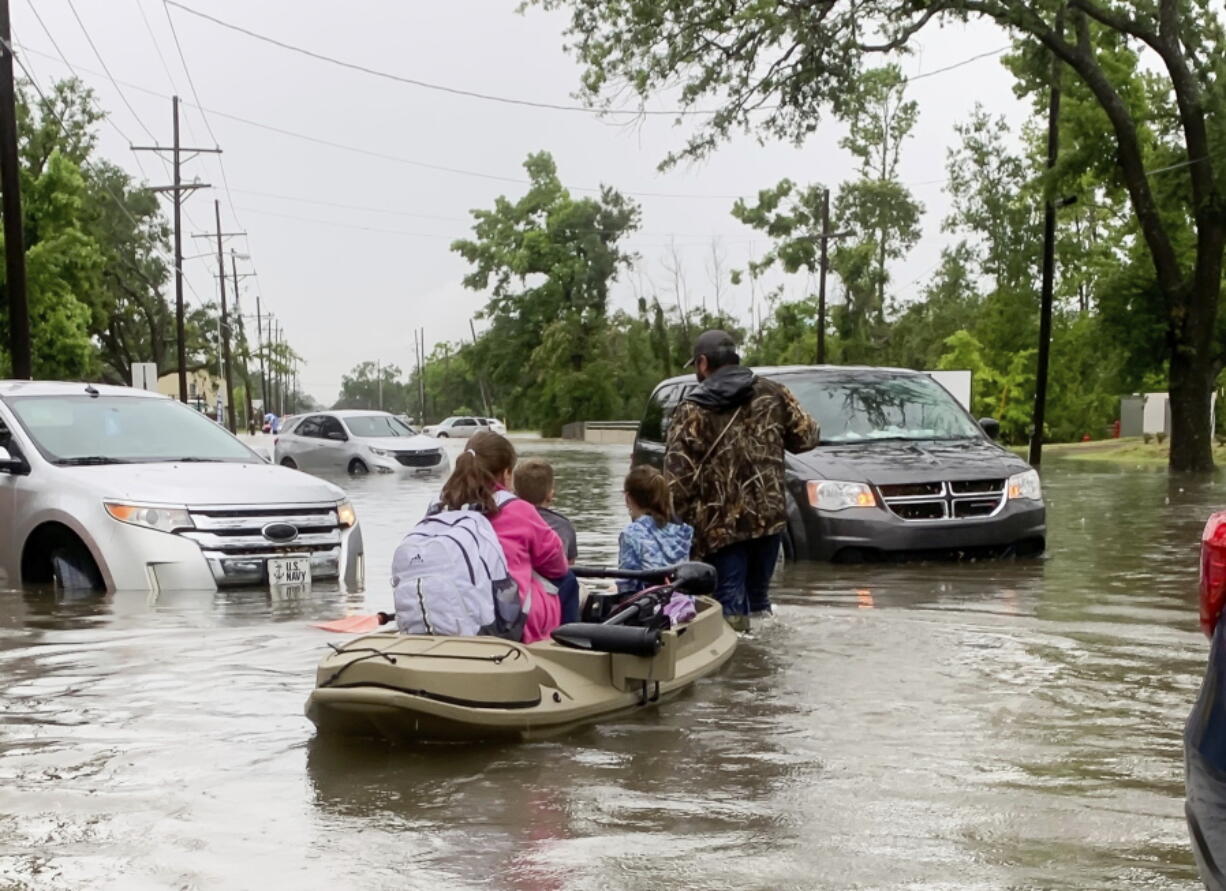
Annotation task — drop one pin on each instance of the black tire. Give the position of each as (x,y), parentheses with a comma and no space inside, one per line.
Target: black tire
(289,462)
(357,467)
(73,568)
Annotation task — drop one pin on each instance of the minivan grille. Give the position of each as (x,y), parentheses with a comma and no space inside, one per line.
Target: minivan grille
(936,501)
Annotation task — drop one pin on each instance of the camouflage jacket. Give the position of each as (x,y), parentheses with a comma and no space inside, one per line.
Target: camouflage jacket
(724,456)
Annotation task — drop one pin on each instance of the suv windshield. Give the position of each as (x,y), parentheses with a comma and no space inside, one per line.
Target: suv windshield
(378,426)
(868,407)
(118,429)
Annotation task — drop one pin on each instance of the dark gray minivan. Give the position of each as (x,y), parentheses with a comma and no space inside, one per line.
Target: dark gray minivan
(902,469)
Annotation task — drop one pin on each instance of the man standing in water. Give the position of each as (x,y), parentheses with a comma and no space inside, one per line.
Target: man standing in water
(724,463)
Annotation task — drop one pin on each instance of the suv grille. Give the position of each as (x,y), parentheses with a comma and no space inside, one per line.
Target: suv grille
(953,500)
(233,541)
(420,459)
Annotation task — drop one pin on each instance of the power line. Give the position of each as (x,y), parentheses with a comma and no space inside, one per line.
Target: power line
(50,107)
(221,164)
(426,85)
(156,46)
(106,68)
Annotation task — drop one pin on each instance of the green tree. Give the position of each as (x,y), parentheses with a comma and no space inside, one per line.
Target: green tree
(877,206)
(778,66)
(548,260)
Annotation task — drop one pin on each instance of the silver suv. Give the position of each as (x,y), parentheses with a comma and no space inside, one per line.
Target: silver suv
(116,488)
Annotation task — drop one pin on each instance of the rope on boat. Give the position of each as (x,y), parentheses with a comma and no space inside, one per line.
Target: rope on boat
(373,653)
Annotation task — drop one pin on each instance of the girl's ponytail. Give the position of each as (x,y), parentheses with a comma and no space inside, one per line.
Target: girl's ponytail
(477,472)
(648,488)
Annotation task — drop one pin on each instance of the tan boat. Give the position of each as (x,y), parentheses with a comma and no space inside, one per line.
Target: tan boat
(423,688)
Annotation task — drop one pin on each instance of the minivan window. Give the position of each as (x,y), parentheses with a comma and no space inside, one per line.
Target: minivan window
(864,408)
(118,429)
(660,408)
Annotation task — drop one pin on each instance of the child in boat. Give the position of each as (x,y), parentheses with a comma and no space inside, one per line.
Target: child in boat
(652,539)
(533,479)
(531,548)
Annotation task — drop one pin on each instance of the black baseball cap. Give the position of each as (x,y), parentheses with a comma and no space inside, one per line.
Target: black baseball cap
(711,343)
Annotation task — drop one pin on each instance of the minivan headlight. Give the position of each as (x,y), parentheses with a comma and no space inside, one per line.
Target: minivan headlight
(151,516)
(838,495)
(345,515)
(1025,485)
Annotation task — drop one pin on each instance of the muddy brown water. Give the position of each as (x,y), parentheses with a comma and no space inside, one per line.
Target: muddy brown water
(990,725)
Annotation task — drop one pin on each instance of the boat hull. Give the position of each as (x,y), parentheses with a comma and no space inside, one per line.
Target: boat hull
(421,688)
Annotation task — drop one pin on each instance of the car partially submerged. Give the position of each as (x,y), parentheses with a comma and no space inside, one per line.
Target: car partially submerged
(902,469)
(123,489)
(358,442)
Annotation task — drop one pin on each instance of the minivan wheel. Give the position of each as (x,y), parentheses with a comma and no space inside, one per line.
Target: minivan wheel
(358,467)
(289,462)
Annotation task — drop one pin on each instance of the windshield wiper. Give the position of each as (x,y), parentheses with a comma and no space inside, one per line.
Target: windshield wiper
(188,460)
(89,460)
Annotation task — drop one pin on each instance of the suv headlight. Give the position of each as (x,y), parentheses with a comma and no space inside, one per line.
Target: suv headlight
(837,495)
(1025,485)
(151,516)
(382,453)
(345,515)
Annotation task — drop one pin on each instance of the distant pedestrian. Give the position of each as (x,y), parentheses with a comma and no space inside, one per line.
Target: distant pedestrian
(724,461)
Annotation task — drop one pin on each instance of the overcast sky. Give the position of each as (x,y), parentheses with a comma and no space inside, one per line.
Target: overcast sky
(352,283)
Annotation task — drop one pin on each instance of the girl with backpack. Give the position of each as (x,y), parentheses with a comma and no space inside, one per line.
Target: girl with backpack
(475,498)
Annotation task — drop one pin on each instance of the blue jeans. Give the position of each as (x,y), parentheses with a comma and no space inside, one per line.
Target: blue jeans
(568,594)
(745,570)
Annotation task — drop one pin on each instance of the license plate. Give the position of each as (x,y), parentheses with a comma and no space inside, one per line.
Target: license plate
(289,572)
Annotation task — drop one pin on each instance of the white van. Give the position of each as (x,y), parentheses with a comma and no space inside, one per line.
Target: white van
(118,488)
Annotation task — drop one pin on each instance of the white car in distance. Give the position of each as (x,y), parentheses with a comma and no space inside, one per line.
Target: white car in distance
(463,426)
(124,489)
(358,442)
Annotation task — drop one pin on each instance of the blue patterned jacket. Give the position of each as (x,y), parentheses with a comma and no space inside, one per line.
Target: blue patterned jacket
(644,545)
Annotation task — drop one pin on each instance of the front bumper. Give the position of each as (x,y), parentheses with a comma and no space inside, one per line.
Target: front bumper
(867,532)
(145,559)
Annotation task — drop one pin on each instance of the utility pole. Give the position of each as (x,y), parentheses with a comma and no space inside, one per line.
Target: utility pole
(227,371)
(379,378)
(10,202)
(823,266)
(177,190)
(1049,260)
(259,347)
(485,399)
(421,374)
(242,335)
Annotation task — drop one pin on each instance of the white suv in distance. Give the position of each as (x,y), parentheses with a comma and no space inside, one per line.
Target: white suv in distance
(123,489)
(358,442)
(455,427)
(464,426)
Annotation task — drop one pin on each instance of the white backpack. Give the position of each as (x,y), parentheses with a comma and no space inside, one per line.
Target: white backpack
(449,576)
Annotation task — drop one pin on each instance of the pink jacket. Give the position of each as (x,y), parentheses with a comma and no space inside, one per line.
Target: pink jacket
(531,546)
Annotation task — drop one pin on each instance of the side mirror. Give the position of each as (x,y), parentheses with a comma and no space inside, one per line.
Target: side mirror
(338,436)
(9,464)
(990,426)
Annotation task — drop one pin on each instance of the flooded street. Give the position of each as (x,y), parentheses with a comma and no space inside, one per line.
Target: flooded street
(992,725)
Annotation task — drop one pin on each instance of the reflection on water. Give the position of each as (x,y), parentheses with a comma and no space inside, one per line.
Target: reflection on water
(980,725)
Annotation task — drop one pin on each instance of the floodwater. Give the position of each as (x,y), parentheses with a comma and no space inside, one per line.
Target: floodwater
(992,725)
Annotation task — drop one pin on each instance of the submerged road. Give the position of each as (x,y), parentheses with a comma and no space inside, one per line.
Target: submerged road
(992,725)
